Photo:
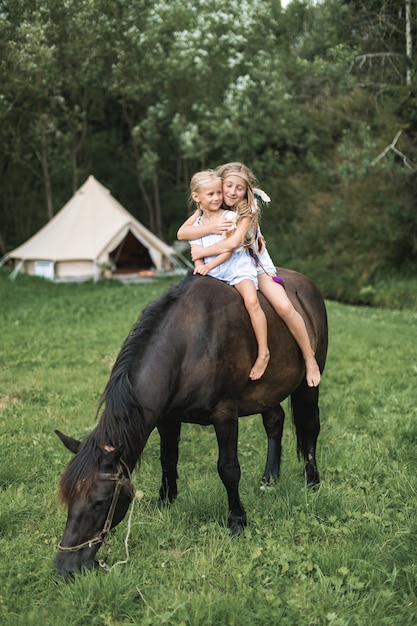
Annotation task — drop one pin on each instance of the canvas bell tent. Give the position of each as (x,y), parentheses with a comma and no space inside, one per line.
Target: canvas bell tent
(90,234)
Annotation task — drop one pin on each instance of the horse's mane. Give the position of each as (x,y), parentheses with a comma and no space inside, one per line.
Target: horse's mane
(80,473)
(142,331)
(121,420)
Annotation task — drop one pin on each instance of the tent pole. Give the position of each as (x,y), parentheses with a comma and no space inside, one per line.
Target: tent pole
(16,270)
(96,271)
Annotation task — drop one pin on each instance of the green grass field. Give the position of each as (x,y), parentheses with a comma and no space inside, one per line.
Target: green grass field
(345,555)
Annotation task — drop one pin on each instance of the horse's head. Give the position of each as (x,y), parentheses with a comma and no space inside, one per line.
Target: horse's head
(97,489)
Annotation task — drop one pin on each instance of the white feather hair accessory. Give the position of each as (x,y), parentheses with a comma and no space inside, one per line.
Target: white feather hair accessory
(259,193)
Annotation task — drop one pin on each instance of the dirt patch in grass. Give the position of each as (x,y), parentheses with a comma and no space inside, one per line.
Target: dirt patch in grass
(5,401)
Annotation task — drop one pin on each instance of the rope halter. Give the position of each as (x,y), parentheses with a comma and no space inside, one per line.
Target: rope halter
(122,473)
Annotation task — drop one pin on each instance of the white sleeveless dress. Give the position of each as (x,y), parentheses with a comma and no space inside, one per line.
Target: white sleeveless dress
(238,267)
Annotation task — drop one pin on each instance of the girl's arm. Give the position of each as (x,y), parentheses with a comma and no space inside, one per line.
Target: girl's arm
(187,230)
(204,268)
(225,245)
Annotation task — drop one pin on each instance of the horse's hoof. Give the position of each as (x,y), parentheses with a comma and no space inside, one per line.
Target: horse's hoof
(267,485)
(313,482)
(237,525)
(236,530)
(163,503)
(312,476)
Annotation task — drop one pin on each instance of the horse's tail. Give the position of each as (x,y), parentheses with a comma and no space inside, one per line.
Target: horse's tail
(305,413)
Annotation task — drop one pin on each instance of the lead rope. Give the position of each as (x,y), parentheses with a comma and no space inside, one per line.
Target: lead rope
(129,524)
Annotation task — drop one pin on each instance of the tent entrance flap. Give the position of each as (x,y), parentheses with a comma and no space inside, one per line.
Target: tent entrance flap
(130,256)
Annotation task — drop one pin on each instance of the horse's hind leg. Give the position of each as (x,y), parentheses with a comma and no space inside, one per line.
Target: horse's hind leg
(273,420)
(169,432)
(306,415)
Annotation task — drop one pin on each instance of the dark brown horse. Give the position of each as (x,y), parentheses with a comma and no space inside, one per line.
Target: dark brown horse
(188,359)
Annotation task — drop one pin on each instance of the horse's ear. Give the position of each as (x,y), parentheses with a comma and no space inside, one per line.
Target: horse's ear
(71,444)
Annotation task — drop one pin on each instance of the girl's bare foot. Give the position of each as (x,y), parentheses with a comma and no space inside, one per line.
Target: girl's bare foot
(259,366)
(313,375)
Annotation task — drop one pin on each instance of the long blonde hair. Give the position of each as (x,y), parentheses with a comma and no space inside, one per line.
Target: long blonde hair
(248,207)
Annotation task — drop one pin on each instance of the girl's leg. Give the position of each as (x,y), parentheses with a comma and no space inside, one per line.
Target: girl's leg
(247,290)
(277,296)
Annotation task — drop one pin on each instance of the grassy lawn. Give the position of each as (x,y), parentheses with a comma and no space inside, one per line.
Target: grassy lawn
(344,555)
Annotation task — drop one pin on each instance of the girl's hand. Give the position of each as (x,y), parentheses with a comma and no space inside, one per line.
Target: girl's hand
(197,253)
(203,270)
(224,226)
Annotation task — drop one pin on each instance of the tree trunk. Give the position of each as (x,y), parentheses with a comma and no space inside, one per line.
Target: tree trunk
(157,205)
(408,40)
(43,158)
(77,145)
(146,198)
(141,185)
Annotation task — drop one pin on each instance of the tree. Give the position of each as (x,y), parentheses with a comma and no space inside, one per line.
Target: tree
(144,94)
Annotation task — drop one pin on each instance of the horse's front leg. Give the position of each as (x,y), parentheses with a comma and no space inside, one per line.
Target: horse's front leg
(225,422)
(273,421)
(169,432)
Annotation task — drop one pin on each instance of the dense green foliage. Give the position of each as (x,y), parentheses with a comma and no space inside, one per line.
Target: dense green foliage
(344,556)
(142,94)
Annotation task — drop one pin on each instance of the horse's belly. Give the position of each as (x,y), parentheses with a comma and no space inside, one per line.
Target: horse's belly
(191,414)
(272,389)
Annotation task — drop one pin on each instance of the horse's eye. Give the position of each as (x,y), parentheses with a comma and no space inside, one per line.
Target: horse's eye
(98,504)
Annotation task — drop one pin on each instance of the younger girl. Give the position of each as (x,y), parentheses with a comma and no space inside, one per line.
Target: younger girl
(234,267)
(238,183)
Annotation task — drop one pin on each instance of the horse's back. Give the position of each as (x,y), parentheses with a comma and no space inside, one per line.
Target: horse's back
(219,345)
